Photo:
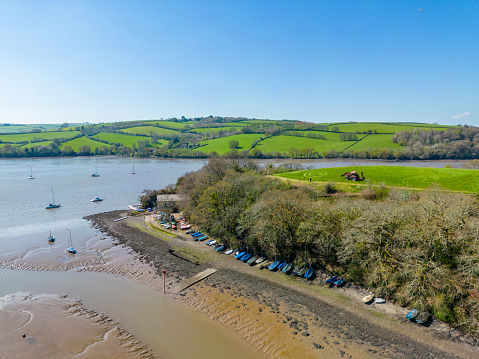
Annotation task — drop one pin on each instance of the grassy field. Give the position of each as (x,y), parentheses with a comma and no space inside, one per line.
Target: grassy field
(375,141)
(380,127)
(34,144)
(216,129)
(220,145)
(43,135)
(171,124)
(82,141)
(13,128)
(451,179)
(126,140)
(145,130)
(284,143)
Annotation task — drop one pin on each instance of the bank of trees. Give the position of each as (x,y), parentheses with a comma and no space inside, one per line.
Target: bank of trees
(421,249)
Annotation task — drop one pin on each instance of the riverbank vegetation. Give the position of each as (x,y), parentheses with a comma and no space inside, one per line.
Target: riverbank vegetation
(212,136)
(420,249)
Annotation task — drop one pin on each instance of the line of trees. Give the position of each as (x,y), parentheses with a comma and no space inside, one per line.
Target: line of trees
(420,249)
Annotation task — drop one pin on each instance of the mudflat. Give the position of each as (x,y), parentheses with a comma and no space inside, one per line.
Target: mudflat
(283,316)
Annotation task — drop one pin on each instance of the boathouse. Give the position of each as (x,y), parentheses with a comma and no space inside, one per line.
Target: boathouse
(170,202)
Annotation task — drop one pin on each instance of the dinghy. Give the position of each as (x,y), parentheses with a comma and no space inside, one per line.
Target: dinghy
(369,298)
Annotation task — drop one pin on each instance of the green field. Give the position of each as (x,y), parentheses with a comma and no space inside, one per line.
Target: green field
(380,127)
(125,140)
(220,145)
(34,144)
(171,124)
(43,135)
(82,141)
(451,179)
(13,128)
(215,129)
(284,143)
(374,141)
(145,130)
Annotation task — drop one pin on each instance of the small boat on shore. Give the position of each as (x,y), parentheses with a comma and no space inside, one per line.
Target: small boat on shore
(287,268)
(229,251)
(240,254)
(332,279)
(252,260)
(301,272)
(96,199)
(309,273)
(220,248)
(379,300)
(369,298)
(282,265)
(273,266)
(258,261)
(264,264)
(246,257)
(185,226)
(339,283)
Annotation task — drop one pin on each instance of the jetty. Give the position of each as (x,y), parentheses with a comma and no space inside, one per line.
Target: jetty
(193,280)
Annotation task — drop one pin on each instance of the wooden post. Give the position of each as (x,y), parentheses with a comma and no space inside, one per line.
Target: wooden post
(164,281)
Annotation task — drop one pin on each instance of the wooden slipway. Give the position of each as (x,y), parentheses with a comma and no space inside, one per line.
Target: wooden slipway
(193,280)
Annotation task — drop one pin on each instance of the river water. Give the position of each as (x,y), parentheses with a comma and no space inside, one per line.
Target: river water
(170,328)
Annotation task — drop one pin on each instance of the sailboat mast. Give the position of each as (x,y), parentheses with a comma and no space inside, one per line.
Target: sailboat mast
(53,196)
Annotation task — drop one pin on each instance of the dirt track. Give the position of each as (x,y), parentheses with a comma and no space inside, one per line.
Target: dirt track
(324,322)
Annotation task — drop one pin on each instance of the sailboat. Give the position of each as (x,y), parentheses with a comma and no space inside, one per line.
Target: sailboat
(133,171)
(70,249)
(31,173)
(96,173)
(51,239)
(52,205)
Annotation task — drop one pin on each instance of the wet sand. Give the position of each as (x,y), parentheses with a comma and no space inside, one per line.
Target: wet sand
(54,326)
(282,316)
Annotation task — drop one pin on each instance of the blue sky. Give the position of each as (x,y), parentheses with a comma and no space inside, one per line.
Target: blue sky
(317,61)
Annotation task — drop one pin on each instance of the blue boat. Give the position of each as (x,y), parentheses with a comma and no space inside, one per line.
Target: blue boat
(197,234)
(220,248)
(274,265)
(246,257)
(309,273)
(339,282)
(240,254)
(282,265)
(202,238)
(332,279)
(208,242)
(287,268)
(412,314)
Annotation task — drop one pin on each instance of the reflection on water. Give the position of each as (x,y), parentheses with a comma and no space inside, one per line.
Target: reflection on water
(170,328)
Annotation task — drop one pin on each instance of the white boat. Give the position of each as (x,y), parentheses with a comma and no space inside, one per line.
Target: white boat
(31,173)
(133,171)
(53,205)
(379,300)
(96,199)
(70,249)
(229,251)
(96,173)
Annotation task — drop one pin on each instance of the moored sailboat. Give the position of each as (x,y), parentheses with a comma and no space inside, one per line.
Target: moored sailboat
(53,204)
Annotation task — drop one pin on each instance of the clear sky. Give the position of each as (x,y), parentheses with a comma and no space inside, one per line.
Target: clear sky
(317,61)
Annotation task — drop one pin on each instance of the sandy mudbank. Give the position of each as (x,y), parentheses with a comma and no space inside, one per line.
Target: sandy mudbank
(55,326)
(281,316)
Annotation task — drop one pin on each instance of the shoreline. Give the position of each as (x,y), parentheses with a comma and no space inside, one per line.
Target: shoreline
(305,317)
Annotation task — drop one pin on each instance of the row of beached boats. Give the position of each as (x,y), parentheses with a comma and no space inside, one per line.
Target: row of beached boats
(254,260)
(288,268)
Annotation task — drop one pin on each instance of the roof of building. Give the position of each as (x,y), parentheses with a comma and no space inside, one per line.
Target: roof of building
(177,197)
